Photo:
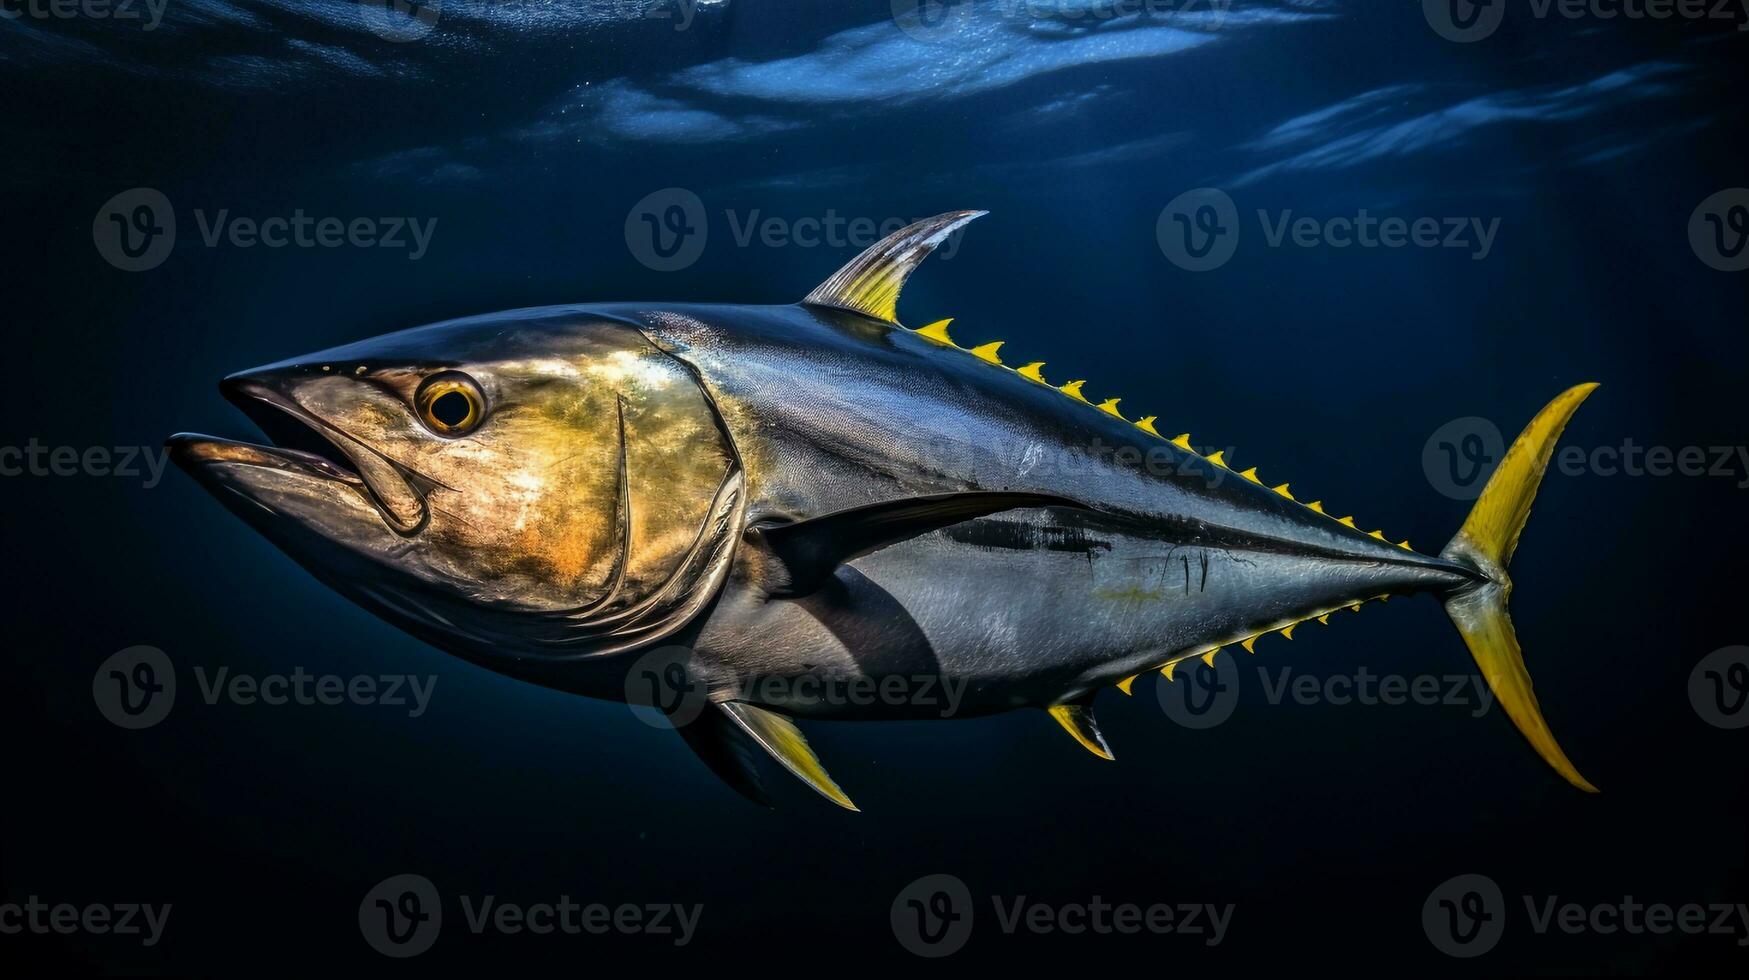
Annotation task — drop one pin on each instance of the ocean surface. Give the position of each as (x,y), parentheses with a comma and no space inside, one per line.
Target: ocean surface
(1355,242)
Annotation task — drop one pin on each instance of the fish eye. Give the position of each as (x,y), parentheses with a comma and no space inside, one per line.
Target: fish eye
(450,404)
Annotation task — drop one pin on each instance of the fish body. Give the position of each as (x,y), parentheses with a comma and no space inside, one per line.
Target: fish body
(804,503)
(831,411)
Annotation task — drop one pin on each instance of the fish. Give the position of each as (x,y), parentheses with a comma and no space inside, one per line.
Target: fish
(768,515)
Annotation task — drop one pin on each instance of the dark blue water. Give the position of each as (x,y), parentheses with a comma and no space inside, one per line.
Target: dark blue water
(526,137)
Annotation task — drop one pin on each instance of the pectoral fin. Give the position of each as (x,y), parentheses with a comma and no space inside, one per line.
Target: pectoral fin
(726,748)
(811,550)
(784,741)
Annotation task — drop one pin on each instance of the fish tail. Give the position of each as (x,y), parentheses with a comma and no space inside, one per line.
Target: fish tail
(1486,542)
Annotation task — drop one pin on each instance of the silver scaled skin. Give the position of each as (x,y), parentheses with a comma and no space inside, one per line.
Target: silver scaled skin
(805,497)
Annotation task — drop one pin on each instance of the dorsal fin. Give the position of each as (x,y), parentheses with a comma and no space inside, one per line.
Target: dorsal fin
(870,283)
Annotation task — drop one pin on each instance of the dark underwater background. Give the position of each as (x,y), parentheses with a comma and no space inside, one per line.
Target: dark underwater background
(532,133)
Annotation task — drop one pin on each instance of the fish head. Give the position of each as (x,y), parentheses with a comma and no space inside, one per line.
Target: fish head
(539,484)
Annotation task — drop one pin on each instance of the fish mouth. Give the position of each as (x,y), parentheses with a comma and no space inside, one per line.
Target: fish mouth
(305,444)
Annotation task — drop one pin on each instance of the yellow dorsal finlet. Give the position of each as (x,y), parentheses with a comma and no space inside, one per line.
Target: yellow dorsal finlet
(1034,371)
(987,352)
(1124,685)
(937,332)
(1166,671)
(1209,657)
